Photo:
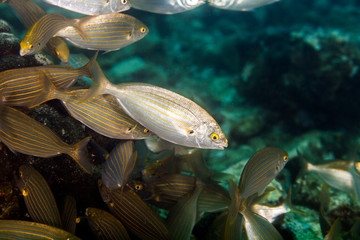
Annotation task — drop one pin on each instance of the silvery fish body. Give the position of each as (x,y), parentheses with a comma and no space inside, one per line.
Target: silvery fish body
(169,115)
(240,5)
(105,32)
(166,6)
(92,7)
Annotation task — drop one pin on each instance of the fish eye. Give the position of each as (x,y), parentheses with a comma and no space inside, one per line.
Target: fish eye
(214,137)
(142,29)
(138,187)
(191,131)
(146,130)
(124,1)
(129,129)
(285,158)
(21,173)
(31,46)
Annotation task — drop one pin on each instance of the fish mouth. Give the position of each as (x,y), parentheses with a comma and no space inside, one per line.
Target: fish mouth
(23,52)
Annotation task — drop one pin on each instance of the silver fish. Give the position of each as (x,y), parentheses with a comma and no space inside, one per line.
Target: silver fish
(166,6)
(240,5)
(165,113)
(92,7)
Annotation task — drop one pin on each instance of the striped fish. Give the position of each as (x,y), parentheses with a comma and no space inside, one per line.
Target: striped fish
(233,231)
(182,217)
(213,198)
(20,133)
(39,200)
(335,173)
(257,227)
(105,226)
(69,214)
(240,5)
(77,61)
(261,169)
(92,7)
(45,28)
(165,113)
(21,230)
(107,32)
(28,12)
(119,165)
(134,213)
(166,6)
(22,86)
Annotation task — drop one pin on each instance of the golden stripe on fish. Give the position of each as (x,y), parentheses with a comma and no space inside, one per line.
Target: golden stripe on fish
(44,29)
(134,213)
(213,198)
(23,134)
(261,169)
(15,229)
(182,217)
(69,214)
(40,201)
(106,32)
(92,7)
(119,165)
(105,226)
(166,6)
(240,5)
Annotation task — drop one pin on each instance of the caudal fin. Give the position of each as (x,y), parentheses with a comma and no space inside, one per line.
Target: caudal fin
(80,154)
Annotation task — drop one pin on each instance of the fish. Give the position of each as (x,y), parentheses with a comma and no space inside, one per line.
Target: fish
(21,133)
(240,5)
(92,7)
(165,113)
(156,144)
(134,213)
(45,28)
(182,217)
(69,214)
(335,173)
(261,169)
(39,199)
(166,6)
(213,198)
(22,86)
(257,227)
(16,229)
(119,165)
(334,232)
(107,32)
(231,231)
(29,12)
(105,226)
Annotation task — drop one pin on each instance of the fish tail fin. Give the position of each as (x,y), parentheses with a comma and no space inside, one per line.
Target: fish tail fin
(80,154)
(288,204)
(87,70)
(100,83)
(304,163)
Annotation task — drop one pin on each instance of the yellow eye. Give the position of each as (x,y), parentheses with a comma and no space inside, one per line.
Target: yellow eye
(146,130)
(138,187)
(214,137)
(21,173)
(124,1)
(30,46)
(142,29)
(285,158)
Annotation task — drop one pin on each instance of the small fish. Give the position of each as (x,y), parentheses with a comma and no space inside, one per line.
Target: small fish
(257,227)
(40,201)
(165,113)
(44,29)
(134,213)
(20,133)
(261,169)
(15,229)
(119,165)
(23,86)
(240,5)
(105,226)
(182,217)
(335,173)
(29,12)
(107,32)
(92,7)
(166,6)
(69,214)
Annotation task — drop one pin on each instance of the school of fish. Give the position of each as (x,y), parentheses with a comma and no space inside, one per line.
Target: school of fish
(171,125)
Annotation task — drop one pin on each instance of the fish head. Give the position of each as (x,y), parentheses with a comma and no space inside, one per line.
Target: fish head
(119,5)
(29,46)
(25,173)
(209,135)
(281,160)
(62,52)
(138,31)
(193,3)
(219,3)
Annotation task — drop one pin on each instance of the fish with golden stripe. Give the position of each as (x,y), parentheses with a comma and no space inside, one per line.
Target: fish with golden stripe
(165,113)
(107,32)
(22,86)
(105,226)
(240,5)
(44,29)
(69,214)
(166,6)
(21,133)
(40,201)
(16,229)
(29,12)
(134,213)
(92,7)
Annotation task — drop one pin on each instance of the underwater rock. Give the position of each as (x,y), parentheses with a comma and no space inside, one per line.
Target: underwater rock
(9,44)
(4,27)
